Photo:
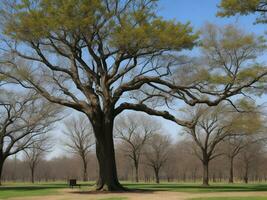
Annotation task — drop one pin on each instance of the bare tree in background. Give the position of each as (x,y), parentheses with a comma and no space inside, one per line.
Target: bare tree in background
(212,126)
(233,146)
(157,153)
(248,158)
(249,127)
(36,152)
(80,139)
(23,119)
(135,130)
(206,134)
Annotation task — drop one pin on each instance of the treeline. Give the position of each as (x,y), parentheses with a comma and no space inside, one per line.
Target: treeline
(144,152)
(182,166)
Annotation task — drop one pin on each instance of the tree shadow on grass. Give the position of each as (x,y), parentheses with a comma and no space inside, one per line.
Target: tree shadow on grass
(199,188)
(110,192)
(146,188)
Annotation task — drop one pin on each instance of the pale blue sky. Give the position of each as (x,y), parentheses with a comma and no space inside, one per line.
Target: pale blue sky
(198,12)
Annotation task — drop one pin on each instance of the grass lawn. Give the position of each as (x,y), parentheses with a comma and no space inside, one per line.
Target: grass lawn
(231,198)
(184,187)
(9,190)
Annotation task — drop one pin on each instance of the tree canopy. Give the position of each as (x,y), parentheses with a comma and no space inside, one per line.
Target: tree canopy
(243,7)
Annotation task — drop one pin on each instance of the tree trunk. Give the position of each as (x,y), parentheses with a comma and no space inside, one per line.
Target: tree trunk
(136,171)
(205,181)
(85,175)
(85,178)
(156,175)
(108,180)
(246,174)
(1,170)
(32,173)
(231,172)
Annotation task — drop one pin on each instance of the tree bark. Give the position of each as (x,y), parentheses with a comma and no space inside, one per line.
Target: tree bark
(108,180)
(32,173)
(85,177)
(156,175)
(205,181)
(246,174)
(1,169)
(136,172)
(231,170)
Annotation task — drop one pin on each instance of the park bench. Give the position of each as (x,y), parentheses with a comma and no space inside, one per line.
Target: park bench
(73,183)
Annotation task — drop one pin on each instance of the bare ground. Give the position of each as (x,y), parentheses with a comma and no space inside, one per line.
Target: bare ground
(69,194)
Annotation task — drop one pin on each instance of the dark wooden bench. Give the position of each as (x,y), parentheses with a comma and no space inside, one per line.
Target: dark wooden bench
(73,183)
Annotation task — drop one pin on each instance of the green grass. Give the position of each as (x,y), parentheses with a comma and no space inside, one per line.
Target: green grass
(196,188)
(25,193)
(9,190)
(231,198)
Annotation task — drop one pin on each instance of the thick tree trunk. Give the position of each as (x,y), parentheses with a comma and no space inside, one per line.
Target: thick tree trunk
(231,170)
(108,180)
(205,181)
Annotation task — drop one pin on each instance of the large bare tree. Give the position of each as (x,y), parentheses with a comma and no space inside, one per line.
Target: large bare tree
(89,55)
(157,153)
(35,153)
(135,130)
(80,139)
(207,133)
(212,126)
(24,118)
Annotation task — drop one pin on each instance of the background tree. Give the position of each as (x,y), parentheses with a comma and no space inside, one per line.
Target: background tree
(157,153)
(36,152)
(244,7)
(249,157)
(243,134)
(24,118)
(213,126)
(89,56)
(80,139)
(233,147)
(135,130)
(207,133)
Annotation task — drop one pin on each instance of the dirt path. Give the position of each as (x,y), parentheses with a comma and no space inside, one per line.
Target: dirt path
(159,195)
